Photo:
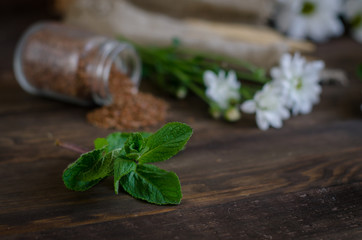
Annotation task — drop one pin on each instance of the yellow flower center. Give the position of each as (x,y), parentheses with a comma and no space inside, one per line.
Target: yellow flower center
(299,83)
(308,8)
(356,21)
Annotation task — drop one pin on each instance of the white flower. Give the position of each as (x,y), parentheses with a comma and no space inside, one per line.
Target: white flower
(353,13)
(316,19)
(269,106)
(300,81)
(222,89)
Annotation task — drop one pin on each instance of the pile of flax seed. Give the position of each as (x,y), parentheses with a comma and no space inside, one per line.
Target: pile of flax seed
(129,109)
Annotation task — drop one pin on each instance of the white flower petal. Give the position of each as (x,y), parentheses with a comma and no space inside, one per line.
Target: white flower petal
(284,113)
(276,73)
(299,29)
(336,28)
(261,122)
(305,108)
(248,106)
(221,75)
(273,119)
(210,78)
(232,80)
(318,33)
(285,61)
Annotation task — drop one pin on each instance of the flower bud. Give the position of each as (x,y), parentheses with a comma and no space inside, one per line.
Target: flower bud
(181,92)
(232,114)
(215,111)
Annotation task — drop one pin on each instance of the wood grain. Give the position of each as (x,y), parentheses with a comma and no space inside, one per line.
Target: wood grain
(303,181)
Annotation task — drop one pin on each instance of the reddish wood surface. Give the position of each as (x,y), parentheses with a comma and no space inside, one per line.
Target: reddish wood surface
(300,182)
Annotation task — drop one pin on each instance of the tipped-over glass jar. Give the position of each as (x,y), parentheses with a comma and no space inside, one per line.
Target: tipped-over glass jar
(73,65)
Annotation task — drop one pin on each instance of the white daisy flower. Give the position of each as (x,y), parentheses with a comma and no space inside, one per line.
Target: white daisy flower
(353,14)
(222,89)
(300,81)
(269,106)
(316,19)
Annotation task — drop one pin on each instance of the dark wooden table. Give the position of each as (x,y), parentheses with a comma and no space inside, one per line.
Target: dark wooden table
(300,182)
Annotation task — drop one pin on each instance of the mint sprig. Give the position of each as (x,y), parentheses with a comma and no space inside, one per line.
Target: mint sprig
(126,157)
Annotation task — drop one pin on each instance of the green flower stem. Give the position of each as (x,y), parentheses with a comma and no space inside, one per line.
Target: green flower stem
(247,92)
(173,68)
(183,53)
(251,77)
(199,92)
(222,59)
(196,74)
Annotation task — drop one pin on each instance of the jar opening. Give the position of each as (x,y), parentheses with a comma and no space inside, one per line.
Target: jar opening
(119,57)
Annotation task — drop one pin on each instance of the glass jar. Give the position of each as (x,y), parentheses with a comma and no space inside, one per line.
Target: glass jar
(72,65)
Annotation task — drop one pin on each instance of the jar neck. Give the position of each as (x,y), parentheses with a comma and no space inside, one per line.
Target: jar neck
(121,56)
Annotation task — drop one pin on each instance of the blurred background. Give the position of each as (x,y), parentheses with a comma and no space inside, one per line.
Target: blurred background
(259,31)
(133,19)
(16,16)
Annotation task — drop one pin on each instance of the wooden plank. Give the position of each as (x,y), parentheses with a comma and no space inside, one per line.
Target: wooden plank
(323,213)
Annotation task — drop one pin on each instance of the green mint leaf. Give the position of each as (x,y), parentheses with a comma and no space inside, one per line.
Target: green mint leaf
(123,155)
(121,168)
(153,185)
(166,142)
(102,167)
(100,143)
(134,146)
(77,175)
(135,143)
(117,140)
(145,134)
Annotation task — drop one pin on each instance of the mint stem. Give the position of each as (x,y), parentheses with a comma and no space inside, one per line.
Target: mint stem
(71,147)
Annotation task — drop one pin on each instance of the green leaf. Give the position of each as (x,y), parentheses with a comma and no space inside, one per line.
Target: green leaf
(77,176)
(101,168)
(166,142)
(117,140)
(145,134)
(135,143)
(122,167)
(153,184)
(100,143)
